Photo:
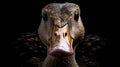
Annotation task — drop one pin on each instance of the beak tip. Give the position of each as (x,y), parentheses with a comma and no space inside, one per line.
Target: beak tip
(60,52)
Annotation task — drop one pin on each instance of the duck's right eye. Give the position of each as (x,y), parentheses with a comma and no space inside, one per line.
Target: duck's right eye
(76,15)
(45,17)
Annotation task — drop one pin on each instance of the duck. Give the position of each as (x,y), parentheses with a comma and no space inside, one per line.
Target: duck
(60,25)
(60,34)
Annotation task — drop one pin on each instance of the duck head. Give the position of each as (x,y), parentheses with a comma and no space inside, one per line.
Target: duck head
(60,25)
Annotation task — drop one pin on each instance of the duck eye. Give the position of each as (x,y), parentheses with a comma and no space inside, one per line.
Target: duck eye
(45,17)
(76,15)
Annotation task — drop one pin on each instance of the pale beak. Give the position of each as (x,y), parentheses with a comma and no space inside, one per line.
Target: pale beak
(61,42)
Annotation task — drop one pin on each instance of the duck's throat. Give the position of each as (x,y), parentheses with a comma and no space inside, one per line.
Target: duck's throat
(51,61)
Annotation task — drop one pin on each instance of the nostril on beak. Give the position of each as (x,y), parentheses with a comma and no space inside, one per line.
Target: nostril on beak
(55,34)
(65,34)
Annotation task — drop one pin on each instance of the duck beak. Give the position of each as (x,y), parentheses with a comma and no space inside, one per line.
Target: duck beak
(61,42)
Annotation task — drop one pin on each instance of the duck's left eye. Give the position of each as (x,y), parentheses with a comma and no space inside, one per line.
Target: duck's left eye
(45,17)
(76,15)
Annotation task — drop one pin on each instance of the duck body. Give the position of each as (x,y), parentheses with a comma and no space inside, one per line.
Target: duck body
(30,51)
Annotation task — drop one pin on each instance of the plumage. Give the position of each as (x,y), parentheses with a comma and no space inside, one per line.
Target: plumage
(84,54)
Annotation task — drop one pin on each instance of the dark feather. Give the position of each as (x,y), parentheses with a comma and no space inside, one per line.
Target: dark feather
(30,51)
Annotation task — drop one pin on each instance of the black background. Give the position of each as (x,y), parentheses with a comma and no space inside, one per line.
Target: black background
(98,18)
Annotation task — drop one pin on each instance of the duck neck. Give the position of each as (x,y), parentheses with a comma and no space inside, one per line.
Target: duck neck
(51,61)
